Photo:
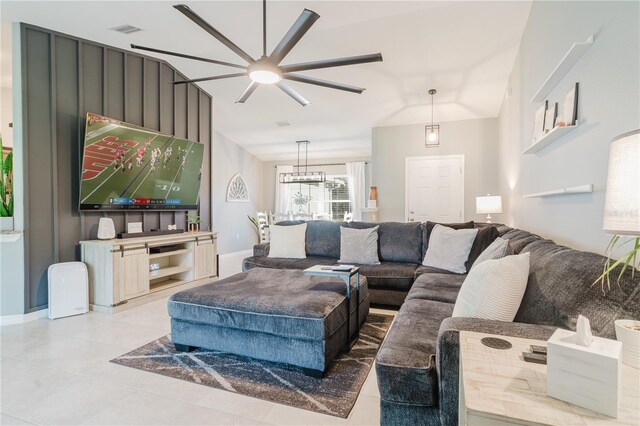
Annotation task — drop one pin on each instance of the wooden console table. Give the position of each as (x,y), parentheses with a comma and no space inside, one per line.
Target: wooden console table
(498,388)
(120,269)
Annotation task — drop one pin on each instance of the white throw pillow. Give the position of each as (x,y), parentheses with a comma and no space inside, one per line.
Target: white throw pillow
(359,246)
(449,248)
(494,289)
(288,241)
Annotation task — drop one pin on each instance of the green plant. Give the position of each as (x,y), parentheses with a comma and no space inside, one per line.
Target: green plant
(629,259)
(193,218)
(254,221)
(6,190)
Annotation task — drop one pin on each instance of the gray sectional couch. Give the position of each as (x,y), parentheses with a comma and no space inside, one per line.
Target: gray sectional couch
(417,365)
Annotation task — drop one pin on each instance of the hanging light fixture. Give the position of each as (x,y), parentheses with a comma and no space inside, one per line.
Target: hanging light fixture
(305,176)
(432,131)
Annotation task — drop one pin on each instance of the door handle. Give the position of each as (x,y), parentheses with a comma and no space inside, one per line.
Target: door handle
(411,219)
(411,212)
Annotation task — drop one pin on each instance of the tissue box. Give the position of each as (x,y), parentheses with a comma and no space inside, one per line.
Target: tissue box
(585,376)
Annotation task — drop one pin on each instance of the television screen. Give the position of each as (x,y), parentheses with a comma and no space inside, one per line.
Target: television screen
(126,167)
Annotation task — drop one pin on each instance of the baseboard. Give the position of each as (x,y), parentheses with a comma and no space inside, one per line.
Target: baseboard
(22,318)
(248,252)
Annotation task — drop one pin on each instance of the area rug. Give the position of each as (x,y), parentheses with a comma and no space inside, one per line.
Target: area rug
(334,394)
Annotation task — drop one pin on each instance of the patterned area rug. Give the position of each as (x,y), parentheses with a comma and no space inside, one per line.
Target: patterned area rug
(334,394)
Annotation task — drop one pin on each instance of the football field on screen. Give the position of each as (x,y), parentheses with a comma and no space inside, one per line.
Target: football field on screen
(104,176)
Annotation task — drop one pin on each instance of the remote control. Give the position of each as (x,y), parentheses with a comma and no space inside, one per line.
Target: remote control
(539,349)
(536,358)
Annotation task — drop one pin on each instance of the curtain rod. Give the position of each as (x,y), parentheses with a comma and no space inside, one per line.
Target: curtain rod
(319,165)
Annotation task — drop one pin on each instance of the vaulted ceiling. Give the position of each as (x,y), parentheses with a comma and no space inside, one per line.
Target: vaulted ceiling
(465,50)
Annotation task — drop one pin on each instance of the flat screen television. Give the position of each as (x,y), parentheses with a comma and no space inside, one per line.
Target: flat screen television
(127,167)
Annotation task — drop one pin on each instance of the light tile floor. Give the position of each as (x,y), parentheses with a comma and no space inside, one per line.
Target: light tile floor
(58,373)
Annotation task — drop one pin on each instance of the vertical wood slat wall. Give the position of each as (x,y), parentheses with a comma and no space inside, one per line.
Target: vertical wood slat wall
(63,78)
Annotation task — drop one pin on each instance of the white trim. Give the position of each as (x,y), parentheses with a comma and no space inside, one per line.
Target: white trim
(407,160)
(237,253)
(22,318)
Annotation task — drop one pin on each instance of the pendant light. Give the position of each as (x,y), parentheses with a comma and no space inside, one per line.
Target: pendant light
(432,131)
(305,176)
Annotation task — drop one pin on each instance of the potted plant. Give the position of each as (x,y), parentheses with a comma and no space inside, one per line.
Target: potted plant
(6,191)
(193,221)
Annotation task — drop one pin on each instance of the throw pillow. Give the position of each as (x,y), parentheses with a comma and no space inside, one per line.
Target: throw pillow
(485,237)
(427,228)
(498,249)
(494,289)
(359,246)
(449,248)
(287,241)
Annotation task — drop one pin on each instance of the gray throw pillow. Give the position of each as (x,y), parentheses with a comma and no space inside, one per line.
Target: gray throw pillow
(498,249)
(359,246)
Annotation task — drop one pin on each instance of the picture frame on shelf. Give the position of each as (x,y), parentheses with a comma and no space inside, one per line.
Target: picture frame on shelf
(570,111)
(550,118)
(538,122)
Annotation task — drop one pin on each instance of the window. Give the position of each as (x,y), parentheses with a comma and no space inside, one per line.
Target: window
(327,198)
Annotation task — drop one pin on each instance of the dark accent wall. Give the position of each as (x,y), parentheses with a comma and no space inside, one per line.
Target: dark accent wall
(63,78)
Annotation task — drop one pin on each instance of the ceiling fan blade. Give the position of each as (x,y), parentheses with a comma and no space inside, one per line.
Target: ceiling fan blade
(216,77)
(182,55)
(247,92)
(293,36)
(295,95)
(323,83)
(329,63)
(186,11)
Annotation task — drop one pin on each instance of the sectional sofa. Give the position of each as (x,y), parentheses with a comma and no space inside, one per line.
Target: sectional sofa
(418,364)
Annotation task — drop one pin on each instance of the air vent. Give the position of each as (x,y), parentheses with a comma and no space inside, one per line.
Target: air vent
(126,29)
(282,123)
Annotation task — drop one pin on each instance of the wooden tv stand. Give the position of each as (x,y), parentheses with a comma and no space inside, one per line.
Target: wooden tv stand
(120,270)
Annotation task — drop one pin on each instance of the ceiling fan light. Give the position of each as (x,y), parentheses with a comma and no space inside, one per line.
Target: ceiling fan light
(265,76)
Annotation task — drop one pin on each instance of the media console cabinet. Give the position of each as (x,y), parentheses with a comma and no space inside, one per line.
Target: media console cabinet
(124,269)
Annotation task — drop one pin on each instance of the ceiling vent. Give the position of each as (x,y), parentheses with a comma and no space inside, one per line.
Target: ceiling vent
(283,123)
(126,29)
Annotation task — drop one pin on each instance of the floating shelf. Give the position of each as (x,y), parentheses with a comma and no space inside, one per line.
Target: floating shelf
(582,189)
(553,135)
(171,270)
(566,63)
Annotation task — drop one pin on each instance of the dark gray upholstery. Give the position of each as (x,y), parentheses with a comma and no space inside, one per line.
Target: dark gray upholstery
(390,275)
(322,237)
(431,270)
(275,315)
(284,263)
(398,242)
(438,287)
(486,235)
(405,364)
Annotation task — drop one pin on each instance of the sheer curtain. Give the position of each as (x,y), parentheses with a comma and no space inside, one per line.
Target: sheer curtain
(283,191)
(355,173)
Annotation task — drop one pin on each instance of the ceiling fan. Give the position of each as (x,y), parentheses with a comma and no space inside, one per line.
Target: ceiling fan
(267,69)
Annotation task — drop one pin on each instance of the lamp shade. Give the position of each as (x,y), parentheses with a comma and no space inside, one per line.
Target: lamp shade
(489,204)
(622,200)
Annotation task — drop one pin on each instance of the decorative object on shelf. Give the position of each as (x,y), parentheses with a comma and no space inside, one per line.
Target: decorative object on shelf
(584,370)
(489,204)
(538,122)
(546,140)
(173,227)
(267,69)
(106,229)
(432,131)
(193,221)
(154,266)
(628,332)
(570,111)
(301,201)
(6,182)
(550,118)
(622,205)
(134,227)
(237,190)
(299,176)
(372,203)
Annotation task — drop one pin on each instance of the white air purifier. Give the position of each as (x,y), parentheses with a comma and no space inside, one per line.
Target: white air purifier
(68,289)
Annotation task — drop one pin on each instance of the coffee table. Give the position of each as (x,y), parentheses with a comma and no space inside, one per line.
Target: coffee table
(327,271)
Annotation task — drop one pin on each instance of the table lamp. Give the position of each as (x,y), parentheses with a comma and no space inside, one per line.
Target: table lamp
(489,204)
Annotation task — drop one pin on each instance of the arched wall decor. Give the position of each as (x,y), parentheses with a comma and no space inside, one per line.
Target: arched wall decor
(237,191)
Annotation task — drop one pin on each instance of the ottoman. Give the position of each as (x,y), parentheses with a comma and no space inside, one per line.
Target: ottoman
(276,315)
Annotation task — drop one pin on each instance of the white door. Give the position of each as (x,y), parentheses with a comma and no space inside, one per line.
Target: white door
(434,188)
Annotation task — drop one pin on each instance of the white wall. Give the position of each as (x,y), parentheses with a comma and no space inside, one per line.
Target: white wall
(269,174)
(235,232)
(609,104)
(476,139)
